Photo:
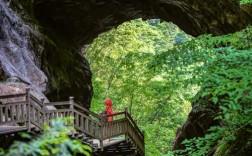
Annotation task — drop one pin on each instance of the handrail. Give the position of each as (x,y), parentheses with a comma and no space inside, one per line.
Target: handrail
(135,139)
(13,103)
(97,122)
(137,136)
(128,116)
(115,114)
(37,115)
(12,96)
(36,100)
(134,124)
(139,133)
(62,103)
(86,110)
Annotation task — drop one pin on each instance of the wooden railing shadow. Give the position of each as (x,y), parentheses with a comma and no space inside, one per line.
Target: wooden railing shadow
(33,112)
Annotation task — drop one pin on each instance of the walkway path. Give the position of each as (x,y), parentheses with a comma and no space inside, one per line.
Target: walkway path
(33,114)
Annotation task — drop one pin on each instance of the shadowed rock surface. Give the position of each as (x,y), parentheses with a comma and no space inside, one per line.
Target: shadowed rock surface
(199,120)
(81,21)
(31,57)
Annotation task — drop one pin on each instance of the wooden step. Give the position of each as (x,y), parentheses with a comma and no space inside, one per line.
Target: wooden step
(12,129)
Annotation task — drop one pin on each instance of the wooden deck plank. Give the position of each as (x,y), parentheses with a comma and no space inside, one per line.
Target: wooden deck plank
(113,141)
(11,129)
(108,143)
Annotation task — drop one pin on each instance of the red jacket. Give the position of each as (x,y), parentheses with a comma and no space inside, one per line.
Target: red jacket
(109,110)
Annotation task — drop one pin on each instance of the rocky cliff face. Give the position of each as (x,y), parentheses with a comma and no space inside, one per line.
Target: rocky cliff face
(28,58)
(21,48)
(199,120)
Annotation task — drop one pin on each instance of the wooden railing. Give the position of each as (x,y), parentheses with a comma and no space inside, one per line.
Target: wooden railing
(87,121)
(13,111)
(34,112)
(134,133)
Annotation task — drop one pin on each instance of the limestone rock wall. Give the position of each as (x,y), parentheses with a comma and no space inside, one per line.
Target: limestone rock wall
(21,48)
(30,57)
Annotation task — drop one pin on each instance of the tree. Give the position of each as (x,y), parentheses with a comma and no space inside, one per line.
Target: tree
(121,61)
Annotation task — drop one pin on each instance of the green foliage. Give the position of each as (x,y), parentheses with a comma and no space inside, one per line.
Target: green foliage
(189,60)
(54,141)
(223,68)
(246,2)
(120,61)
(155,76)
(201,146)
(222,149)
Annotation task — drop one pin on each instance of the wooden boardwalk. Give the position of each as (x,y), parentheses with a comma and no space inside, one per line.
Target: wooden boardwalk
(12,129)
(33,113)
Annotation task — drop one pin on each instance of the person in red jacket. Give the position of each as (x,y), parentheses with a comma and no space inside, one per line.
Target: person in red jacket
(109,109)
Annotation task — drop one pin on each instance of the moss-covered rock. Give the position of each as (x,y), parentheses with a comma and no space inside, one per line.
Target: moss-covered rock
(241,146)
(68,71)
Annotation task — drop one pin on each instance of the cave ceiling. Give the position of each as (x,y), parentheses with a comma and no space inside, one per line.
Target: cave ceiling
(80,21)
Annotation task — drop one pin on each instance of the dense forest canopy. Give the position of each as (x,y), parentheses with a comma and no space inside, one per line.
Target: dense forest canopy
(155,69)
(122,60)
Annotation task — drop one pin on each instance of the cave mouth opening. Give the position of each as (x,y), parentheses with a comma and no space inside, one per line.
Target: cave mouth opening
(122,61)
(67,25)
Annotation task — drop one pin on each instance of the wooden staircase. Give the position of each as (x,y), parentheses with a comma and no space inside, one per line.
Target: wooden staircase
(90,127)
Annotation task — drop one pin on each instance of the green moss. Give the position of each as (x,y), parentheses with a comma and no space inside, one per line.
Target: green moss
(222,149)
(57,61)
(49,41)
(247,8)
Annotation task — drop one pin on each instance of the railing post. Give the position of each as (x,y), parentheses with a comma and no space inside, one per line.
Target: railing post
(71,102)
(126,124)
(143,140)
(101,132)
(28,124)
(126,110)
(43,110)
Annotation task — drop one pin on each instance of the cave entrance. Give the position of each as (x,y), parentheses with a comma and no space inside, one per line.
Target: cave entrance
(126,69)
(71,24)
(68,25)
